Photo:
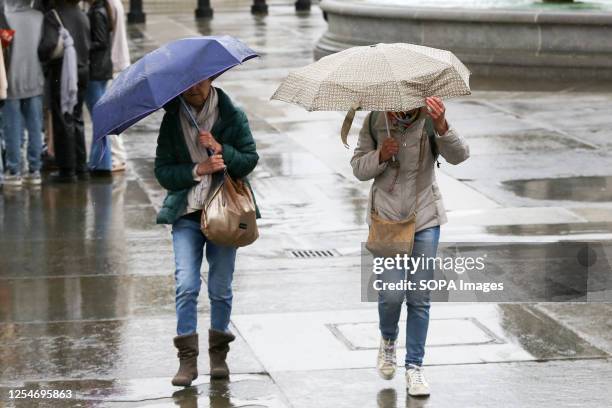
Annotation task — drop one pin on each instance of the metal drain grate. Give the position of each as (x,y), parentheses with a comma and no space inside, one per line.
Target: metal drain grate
(313,253)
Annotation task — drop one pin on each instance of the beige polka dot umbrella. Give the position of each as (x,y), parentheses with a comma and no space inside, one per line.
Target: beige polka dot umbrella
(381,77)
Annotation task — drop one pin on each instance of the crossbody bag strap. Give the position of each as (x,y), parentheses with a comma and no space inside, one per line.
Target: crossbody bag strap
(57,16)
(421,154)
(376,141)
(416,181)
(375,147)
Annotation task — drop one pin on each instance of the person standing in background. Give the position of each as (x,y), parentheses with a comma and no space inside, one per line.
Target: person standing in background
(100,71)
(3,85)
(120,55)
(3,80)
(68,127)
(23,106)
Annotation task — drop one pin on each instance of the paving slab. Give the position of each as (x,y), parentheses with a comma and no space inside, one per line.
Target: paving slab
(347,339)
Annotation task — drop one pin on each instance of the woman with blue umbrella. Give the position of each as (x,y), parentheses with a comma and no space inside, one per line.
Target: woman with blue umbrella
(202,133)
(183,167)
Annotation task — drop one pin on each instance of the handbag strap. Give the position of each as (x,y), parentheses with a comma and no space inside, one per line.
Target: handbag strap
(421,154)
(57,16)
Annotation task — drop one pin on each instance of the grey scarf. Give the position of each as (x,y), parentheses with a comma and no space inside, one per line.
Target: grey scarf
(205,120)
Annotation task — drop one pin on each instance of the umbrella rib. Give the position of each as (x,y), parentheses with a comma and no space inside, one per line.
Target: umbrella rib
(331,71)
(394,78)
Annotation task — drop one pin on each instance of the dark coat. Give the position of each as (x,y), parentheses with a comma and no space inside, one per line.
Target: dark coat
(77,24)
(100,63)
(173,164)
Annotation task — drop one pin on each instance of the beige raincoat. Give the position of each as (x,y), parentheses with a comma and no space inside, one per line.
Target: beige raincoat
(399,203)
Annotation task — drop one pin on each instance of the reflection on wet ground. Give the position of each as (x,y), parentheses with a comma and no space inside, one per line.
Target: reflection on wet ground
(586,189)
(531,272)
(542,336)
(244,390)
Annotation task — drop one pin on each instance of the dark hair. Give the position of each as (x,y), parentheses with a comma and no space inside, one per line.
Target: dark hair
(110,14)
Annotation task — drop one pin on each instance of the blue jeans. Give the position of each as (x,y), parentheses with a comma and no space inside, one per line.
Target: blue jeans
(390,302)
(189,244)
(100,157)
(20,114)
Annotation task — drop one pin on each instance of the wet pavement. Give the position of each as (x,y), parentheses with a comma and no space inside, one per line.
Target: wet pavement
(86,277)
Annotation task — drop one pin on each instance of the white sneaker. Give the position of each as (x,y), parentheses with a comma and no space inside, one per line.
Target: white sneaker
(12,180)
(415,381)
(386,363)
(33,178)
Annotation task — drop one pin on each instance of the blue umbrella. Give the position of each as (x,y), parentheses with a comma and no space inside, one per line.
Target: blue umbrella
(161,75)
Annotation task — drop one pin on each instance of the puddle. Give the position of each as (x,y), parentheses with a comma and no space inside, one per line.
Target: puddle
(104,351)
(588,189)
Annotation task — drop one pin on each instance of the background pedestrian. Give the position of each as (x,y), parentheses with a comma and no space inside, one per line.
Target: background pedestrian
(120,54)
(23,106)
(68,127)
(100,71)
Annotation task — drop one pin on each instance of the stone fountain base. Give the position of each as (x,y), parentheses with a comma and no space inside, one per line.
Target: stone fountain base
(532,43)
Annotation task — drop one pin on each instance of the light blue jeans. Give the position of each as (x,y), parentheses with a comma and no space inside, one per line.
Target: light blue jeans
(100,157)
(390,302)
(189,244)
(20,114)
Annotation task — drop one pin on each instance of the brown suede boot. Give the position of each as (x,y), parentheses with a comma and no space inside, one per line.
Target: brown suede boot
(218,346)
(188,351)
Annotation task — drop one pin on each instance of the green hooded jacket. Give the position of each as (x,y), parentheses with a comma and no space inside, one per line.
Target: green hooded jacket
(173,164)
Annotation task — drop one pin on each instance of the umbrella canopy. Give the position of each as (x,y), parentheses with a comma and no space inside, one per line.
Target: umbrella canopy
(381,77)
(161,75)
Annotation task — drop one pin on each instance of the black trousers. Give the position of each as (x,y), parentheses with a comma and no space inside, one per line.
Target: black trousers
(68,129)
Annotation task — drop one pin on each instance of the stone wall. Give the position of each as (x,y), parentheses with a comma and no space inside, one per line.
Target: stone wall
(534,43)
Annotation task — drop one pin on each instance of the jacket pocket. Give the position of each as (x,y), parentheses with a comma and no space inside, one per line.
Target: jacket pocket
(172,206)
(387,205)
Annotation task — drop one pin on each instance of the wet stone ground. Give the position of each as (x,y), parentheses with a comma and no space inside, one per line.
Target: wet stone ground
(86,277)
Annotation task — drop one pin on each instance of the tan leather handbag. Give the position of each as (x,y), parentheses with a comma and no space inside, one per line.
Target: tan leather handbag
(389,238)
(229,215)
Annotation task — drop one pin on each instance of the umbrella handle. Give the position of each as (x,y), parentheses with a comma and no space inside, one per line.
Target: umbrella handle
(193,120)
(388,133)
